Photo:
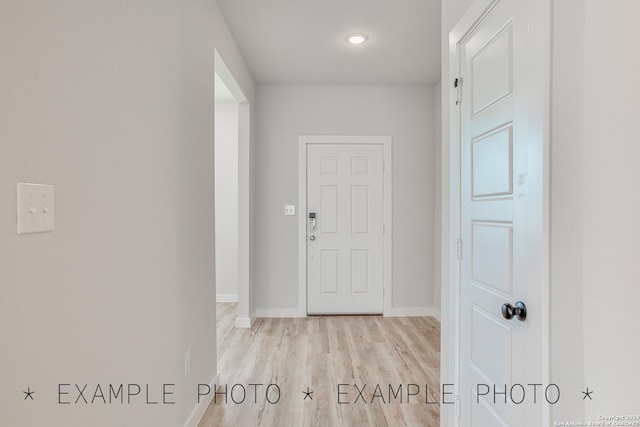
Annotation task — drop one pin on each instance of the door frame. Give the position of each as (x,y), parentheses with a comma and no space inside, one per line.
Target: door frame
(386,142)
(540,31)
(245,315)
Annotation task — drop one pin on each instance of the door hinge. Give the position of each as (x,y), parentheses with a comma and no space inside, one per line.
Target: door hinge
(459,249)
(457,406)
(457,84)
(384,229)
(384,165)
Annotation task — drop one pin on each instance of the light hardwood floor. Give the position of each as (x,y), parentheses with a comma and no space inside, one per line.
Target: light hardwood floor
(399,355)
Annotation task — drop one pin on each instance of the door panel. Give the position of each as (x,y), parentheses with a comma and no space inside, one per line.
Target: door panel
(492,255)
(497,214)
(484,415)
(359,209)
(491,347)
(360,270)
(491,164)
(345,251)
(329,271)
(329,208)
(491,70)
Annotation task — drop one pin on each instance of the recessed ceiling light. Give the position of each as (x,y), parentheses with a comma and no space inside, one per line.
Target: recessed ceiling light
(357,38)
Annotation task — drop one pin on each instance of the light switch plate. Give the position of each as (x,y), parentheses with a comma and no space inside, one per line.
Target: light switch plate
(289,210)
(36,213)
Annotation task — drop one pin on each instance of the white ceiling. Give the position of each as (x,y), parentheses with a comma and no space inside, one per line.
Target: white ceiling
(303,41)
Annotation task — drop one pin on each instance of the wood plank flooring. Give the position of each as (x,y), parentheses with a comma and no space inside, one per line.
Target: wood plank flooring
(388,368)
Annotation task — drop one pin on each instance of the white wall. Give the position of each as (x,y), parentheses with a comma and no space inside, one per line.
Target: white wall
(284,113)
(611,207)
(226,191)
(112,102)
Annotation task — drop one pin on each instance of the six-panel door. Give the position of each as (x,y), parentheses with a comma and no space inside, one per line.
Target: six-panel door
(345,251)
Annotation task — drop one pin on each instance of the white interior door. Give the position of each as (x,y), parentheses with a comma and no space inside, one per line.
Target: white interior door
(345,248)
(502,225)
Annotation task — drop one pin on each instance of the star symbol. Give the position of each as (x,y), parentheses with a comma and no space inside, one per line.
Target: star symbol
(307,394)
(587,394)
(28,393)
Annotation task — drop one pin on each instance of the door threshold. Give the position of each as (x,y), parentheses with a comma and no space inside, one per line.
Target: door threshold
(346,315)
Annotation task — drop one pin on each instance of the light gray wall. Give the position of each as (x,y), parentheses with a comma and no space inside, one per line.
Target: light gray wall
(284,113)
(226,191)
(437,193)
(595,153)
(112,102)
(611,207)
(567,101)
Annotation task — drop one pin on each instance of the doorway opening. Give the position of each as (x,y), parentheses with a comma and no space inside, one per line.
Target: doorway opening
(232,171)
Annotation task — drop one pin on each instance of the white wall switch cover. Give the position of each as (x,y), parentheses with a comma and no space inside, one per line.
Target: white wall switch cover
(36,211)
(289,210)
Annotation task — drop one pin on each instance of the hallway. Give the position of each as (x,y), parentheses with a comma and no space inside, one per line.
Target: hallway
(359,371)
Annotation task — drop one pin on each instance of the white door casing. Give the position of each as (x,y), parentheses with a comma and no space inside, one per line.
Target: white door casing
(503,214)
(345,262)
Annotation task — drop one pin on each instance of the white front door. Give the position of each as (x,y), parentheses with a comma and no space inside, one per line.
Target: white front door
(345,248)
(502,224)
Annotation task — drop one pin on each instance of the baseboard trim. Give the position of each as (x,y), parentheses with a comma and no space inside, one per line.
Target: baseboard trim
(395,312)
(278,312)
(414,312)
(227,298)
(198,412)
(245,322)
